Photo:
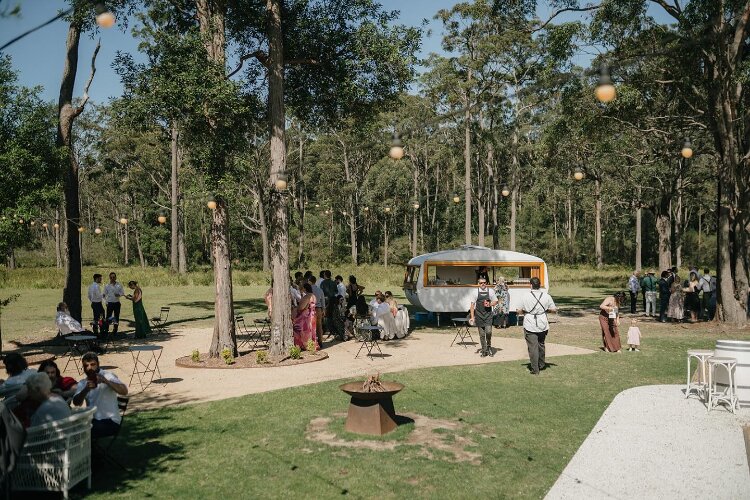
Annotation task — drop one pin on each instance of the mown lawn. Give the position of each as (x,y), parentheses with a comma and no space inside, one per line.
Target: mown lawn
(525,429)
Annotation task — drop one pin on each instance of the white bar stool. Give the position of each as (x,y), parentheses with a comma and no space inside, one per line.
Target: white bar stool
(726,395)
(700,387)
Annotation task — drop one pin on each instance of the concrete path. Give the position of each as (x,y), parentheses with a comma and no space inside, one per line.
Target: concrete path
(653,443)
(184,385)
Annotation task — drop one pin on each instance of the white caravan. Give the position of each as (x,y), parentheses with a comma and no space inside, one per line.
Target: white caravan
(446,281)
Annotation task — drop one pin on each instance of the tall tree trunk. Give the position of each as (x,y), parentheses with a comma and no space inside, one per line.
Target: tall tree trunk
(415,188)
(638,237)
(598,223)
(181,250)
(66,115)
(467,164)
(211,20)
(663,229)
(351,219)
(301,237)
(677,219)
(10,259)
(264,233)
(58,240)
(514,181)
(385,246)
(174,256)
(281,330)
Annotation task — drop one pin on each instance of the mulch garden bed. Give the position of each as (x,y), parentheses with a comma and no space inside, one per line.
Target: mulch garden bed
(249,360)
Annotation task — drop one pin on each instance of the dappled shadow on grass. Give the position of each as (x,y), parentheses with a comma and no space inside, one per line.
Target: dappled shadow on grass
(240,306)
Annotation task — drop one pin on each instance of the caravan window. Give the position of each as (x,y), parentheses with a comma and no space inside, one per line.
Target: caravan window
(516,274)
(410,277)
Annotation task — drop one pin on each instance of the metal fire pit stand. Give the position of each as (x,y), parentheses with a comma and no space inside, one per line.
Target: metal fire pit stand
(371,412)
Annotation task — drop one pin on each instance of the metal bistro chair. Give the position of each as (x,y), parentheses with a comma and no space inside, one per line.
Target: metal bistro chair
(462,331)
(241,330)
(262,331)
(160,322)
(363,332)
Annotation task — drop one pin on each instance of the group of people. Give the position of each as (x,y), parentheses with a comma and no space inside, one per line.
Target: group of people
(324,305)
(693,298)
(44,395)
(105,306)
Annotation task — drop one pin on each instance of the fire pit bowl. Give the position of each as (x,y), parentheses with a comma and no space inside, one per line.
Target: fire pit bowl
(371,412)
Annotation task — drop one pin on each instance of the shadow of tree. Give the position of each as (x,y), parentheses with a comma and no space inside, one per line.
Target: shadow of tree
(240,306)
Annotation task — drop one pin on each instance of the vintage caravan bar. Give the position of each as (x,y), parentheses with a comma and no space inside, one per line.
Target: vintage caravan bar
(446,281)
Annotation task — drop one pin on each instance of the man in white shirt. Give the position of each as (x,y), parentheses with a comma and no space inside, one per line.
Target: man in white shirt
(704,283)
(100,388)
(535,324)
(95,297)
(112,293)
(340,286)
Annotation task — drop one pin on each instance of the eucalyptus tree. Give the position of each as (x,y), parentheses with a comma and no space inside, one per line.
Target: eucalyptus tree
(707,46)
(322,60)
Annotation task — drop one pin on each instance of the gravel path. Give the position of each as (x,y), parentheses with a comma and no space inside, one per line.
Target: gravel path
(185,385)
(653,443)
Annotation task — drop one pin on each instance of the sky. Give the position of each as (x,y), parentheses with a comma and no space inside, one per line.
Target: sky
(38,58)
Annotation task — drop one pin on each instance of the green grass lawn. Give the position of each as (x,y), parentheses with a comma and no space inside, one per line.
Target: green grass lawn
(525,428)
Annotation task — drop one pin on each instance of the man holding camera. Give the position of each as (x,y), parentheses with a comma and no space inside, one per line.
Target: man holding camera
(480,315)
(100,388)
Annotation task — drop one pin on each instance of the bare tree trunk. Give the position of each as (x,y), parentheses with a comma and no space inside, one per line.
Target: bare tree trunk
(58,240)
(281,330)
(211,20)
(10,259)
(264,234)
(598,223)
(678,223)
(126,244)
(467,166)
(385,248)
(638,237)
(663,228)
(66,116)
(352,221)
(224,332)
(415,180)
(301,238)
(514,166)
(181,250)
(174,257)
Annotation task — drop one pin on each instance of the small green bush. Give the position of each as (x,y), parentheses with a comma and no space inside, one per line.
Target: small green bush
(261,357)
(226,355)
(196,356)
(311,346)
(295,352)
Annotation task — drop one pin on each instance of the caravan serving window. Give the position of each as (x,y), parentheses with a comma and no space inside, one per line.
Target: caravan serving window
(516,274)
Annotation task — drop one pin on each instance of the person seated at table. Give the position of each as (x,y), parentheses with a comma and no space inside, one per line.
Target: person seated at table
(382,317)
(68,325)
(49,407)
(100,388)
(64,387)
(17,369)
(400,316)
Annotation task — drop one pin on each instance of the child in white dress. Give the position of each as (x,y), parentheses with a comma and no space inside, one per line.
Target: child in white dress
(634,336)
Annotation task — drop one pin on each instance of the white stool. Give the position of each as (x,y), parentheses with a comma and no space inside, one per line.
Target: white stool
(701,355)
(727,395)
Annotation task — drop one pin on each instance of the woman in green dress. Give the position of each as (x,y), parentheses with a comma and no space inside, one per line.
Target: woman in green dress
(142,326)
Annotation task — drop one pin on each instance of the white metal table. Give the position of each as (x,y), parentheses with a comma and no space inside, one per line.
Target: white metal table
(142,369)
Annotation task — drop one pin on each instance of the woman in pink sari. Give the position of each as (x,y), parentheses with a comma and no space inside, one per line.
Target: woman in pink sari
(304,322)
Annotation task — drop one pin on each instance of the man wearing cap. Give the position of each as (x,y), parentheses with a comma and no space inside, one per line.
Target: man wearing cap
(649,285)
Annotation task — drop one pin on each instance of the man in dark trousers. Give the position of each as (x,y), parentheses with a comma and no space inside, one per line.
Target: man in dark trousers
(480,314)
(535,324)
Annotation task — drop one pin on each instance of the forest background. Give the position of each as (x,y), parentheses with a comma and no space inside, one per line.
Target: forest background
(497,130)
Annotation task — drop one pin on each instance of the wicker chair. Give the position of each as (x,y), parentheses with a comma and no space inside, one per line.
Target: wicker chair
(56,455)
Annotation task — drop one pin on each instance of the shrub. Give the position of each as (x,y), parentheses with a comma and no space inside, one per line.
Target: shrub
(311,346)
(261,357)
(226,355)
(295,352)
(196,356)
